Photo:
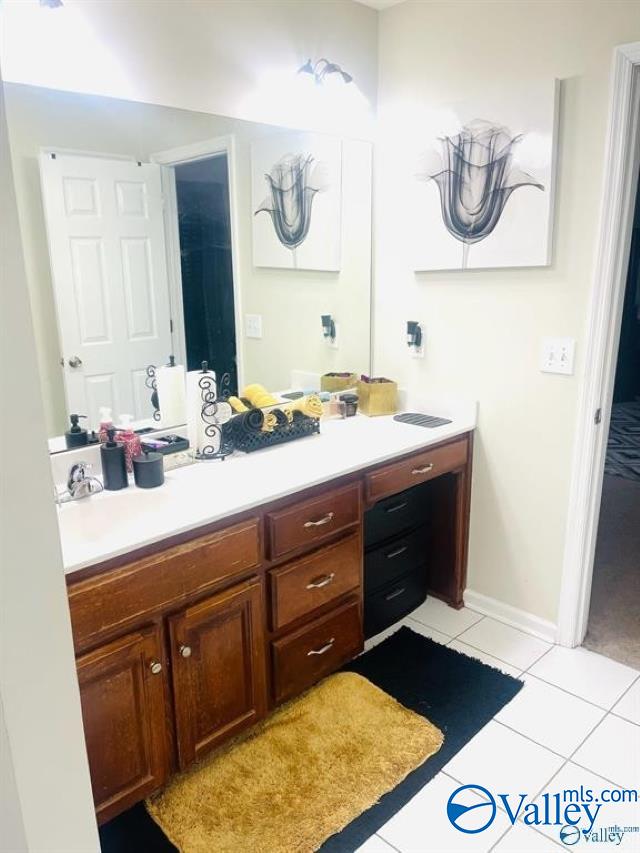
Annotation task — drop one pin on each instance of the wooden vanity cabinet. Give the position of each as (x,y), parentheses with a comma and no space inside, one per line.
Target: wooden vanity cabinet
(218,662)
(122,693)
(184,645)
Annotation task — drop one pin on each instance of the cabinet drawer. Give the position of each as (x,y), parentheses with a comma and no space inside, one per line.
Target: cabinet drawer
(392,602)
(117,597)
(418,468)
(307,655)
(301,587)
(395,515)
(383,565)
(311,521)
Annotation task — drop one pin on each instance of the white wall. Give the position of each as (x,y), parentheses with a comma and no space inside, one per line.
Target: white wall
(45,779)
(483,328)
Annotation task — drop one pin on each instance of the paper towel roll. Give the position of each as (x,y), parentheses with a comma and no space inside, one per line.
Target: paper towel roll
(196,426)
(170,384)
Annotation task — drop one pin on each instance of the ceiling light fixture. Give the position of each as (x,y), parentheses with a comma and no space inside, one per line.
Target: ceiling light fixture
(321,69)
(51,4)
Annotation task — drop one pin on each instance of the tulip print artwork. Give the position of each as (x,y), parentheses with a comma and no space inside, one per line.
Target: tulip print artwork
(297,223)
(491,187)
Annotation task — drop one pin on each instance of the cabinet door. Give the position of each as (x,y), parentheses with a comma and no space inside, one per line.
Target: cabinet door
(122,691)
(217,649)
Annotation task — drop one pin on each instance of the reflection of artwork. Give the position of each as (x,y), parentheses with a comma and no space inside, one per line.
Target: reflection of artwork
(296,225)
(470,184)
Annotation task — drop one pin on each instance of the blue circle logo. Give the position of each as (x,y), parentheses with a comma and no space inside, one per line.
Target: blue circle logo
(569,835)
(466,814)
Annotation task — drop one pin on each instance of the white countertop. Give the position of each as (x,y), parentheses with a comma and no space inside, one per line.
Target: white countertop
(110,524)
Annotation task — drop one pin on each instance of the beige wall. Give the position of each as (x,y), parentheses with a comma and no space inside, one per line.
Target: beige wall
(483,328)
(290,302)
(232,57)
(47,804)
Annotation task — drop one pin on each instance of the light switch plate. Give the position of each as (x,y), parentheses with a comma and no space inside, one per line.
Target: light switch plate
(557,355)
(253,325)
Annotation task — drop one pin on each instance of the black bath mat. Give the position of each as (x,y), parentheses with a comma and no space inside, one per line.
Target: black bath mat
(456,693)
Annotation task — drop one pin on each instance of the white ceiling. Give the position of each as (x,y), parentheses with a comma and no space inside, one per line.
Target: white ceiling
(380,4)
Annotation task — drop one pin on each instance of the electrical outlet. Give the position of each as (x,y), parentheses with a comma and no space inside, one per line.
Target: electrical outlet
(557,355)
(253,325)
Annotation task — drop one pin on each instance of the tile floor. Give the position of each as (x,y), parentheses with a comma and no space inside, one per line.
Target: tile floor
(575,722)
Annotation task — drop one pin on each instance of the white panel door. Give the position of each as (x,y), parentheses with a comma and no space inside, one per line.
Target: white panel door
(106,241)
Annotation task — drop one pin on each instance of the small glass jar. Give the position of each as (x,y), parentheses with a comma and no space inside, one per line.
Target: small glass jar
(351,404)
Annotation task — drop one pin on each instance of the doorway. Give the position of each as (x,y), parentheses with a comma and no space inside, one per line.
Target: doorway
(621,165)
(613,627)
(204,227)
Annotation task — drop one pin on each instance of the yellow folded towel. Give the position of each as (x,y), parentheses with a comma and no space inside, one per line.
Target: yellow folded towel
(259,396)
(310,406)
(270,422)
(237,405)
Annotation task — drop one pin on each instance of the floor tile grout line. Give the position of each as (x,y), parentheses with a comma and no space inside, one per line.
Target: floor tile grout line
(508,663)
(520,630)
(388,843)
(568,692)
(622,695)
(542,745)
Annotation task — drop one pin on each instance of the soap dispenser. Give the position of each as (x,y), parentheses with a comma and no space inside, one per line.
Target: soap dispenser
(76,436)
(114,466)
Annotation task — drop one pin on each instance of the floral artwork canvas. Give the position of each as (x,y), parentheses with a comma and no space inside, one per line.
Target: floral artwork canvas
(484,182)
(296,201)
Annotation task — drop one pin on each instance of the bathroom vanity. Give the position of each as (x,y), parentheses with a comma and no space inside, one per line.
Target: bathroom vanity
(186,637)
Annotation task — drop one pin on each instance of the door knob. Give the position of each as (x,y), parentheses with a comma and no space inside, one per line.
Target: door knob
(155,667)
(185,651)
(75,361)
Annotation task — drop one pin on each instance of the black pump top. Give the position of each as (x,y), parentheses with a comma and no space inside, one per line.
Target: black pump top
(205,366)
(111,434)
(172,361)
(75,427)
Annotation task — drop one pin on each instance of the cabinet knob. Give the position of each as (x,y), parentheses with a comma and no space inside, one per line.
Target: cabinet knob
(185,651)
(155,667)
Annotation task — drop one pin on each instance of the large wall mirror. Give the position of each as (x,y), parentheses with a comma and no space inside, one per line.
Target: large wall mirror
(152,231)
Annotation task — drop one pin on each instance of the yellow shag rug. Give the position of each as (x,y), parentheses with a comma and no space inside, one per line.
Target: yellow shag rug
(298,777)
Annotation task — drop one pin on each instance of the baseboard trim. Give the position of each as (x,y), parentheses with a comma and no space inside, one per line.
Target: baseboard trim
(527,622)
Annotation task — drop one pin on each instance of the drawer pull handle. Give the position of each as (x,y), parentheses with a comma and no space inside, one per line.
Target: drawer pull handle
(396,507)
(156,667)
(395,594)
(397,552)
(324,520)
(318,583)
(424,470)
(322,649)
(185,651)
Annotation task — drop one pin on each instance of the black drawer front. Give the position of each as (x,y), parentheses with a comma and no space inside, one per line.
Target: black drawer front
(395,515)
(384,564)
(391,603)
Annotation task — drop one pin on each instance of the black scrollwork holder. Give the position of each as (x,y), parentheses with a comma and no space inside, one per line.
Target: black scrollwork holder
(152,384)
(215,411)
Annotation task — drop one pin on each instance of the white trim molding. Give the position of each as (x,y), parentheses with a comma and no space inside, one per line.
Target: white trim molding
(168,160)
(520,619)
(603,332)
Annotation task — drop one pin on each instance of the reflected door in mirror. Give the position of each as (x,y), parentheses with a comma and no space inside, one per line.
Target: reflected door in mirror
(106,241)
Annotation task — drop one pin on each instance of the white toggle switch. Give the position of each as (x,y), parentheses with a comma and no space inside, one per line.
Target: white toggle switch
(253,325)
(557,355)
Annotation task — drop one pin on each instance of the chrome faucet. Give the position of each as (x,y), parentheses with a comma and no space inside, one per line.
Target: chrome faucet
(80,484)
